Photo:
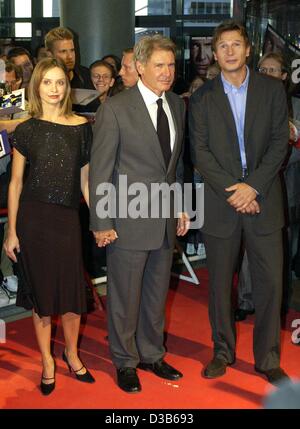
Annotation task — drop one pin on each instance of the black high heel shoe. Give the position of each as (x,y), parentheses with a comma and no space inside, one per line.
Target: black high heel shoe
(86,377)
(46,389)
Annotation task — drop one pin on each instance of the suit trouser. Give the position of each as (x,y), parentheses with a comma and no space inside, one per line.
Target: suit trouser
(265,256)
(245,300)
(138,283)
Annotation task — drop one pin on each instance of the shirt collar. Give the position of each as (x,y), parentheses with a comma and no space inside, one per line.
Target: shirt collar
(149,96)
(228,87)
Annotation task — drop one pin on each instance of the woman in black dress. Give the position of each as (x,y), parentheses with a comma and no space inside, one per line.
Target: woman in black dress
(43,226)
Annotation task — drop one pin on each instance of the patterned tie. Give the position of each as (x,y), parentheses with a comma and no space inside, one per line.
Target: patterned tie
(163,132)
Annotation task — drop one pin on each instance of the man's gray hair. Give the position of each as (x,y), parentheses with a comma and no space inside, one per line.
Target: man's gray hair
(144,48)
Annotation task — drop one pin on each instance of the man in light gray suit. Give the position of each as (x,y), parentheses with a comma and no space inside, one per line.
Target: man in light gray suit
(138,135)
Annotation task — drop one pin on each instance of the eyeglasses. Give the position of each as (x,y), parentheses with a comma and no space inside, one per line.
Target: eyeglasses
(270,70)
(104,77)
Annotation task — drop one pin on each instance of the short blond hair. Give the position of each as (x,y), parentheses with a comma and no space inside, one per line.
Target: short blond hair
(144,48)
(276,56)
(35,103)
(56,34)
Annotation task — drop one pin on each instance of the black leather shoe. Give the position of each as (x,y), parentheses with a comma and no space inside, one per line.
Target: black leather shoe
(274,375)
(128,380)
(241,314)
(161,369)
(216,368)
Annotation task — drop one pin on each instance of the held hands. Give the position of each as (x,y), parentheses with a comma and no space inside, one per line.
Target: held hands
(183,224)
(103,238)
(10,245)
(243,198)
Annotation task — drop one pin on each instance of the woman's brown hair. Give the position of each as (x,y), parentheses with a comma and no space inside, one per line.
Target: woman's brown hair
(35,103)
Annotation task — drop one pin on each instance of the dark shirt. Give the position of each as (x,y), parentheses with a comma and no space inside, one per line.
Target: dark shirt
(55,153)
(82,79)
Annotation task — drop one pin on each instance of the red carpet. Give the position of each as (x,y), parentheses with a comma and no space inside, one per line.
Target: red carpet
(189,349)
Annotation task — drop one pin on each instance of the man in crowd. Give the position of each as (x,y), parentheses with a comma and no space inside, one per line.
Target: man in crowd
(22,58)
(128,70)
(60,42)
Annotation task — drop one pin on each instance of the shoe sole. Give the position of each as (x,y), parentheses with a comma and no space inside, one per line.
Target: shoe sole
(130,391)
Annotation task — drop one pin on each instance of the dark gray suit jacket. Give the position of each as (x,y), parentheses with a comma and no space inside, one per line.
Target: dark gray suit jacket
(126,143)
(215,151)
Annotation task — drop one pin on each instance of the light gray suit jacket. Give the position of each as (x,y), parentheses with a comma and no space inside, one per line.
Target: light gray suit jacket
(126,143)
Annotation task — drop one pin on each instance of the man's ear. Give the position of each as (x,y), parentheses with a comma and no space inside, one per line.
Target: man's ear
(248,51)
(140,67)
(215,56)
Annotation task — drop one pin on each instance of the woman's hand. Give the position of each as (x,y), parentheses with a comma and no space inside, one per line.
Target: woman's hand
(10,245)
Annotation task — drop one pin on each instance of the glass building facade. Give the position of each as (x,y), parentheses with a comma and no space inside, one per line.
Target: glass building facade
(27,21)
(282,15)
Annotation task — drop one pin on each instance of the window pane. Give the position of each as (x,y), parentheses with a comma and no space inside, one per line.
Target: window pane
(23,8)
(141,32)
(192,7)
(23,29)
(153,7)
(51,8)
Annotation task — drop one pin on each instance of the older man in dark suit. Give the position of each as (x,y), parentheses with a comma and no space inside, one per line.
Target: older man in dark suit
(239,134)
(138,136)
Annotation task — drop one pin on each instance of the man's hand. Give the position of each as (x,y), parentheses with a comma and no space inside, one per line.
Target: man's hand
(253,208)
(103,238)
(243,195)
(183,224)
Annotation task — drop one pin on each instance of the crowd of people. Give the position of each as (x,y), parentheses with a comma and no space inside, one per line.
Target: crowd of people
(240,149)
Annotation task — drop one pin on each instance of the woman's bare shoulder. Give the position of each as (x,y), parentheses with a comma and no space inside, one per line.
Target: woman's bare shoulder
(77,120)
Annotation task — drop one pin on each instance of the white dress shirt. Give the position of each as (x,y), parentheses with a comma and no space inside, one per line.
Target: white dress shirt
(150,99)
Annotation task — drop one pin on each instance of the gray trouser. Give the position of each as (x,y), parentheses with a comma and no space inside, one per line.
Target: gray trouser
(138,283)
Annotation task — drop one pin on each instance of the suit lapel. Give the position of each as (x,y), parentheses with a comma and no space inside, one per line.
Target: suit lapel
(222,102)
(176,120)
(145,124)
(251,106)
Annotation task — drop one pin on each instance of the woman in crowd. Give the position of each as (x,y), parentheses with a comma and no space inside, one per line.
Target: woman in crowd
(43,226)
(103,77)
(116,63)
